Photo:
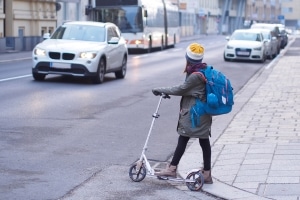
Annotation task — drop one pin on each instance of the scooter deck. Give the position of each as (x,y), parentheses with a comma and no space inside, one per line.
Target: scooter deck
(168,178)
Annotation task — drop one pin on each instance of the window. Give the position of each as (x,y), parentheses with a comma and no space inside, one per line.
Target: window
(286,10)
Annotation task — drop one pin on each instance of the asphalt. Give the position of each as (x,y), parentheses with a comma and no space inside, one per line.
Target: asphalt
(256,147)
(257,154)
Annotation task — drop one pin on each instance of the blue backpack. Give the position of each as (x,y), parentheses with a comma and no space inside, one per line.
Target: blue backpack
(219,99)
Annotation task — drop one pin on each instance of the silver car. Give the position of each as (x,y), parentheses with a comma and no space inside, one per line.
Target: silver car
(271,43)
(272,27)
(82,49)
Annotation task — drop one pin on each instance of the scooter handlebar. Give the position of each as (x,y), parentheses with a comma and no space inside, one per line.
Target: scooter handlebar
(165,96)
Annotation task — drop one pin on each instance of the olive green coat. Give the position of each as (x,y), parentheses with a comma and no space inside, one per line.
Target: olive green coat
(194,86)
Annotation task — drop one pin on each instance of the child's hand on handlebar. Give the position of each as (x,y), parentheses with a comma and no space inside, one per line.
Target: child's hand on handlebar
(156,93)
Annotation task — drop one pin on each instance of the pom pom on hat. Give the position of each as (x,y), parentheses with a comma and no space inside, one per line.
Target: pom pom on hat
(194,53)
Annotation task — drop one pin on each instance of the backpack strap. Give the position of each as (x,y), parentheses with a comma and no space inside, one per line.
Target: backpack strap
(208,76)
(208,73)
(202,75)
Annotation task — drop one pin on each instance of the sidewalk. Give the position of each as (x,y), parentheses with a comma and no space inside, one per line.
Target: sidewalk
(257,154)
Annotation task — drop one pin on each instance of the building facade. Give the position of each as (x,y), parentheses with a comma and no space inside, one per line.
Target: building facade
(267,11)
(23,22)
(290,13)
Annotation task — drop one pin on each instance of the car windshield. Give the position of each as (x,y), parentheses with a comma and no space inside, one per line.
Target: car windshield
(129,19)
(246,36)
(80,32)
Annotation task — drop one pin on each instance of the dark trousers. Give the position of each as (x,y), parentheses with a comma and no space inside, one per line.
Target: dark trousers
(181,146)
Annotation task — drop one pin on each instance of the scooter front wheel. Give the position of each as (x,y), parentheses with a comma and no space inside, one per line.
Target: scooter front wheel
(197,180)
(136,173)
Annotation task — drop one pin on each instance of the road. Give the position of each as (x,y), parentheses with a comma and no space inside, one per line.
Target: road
(60,135)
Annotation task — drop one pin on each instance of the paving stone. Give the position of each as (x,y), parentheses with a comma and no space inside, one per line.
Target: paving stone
(252,172)
(281,179)
(285,197)
(247,179)
(283,172)
(254,166)
(288,151)
(256,161)
(287,164)
(287,157)
(282,189)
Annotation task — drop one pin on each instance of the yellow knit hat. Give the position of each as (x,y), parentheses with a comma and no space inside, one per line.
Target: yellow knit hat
(194,53)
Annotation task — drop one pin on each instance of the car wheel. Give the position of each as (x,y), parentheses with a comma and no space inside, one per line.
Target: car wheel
(162,47)
(150,45)
(270,56)
(122,72)
(99,78)
(278,51)
(38,77)
(275,54)
(263,58)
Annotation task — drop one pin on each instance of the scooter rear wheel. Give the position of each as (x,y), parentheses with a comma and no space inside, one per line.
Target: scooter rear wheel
(198,180)
(137,175)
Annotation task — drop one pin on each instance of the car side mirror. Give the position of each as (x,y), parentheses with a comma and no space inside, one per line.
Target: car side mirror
(114,40)
(227,38)
(46,36)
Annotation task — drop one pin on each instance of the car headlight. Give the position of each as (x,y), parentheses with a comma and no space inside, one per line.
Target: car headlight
(88,55)
(229,47)
(257,49)
(39,52)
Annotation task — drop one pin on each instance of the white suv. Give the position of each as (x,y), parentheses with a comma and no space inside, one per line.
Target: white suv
(83,49)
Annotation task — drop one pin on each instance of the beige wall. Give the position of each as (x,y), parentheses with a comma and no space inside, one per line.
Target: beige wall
(291,9)
(33,17)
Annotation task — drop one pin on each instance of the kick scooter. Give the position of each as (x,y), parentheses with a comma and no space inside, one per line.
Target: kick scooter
(138,171)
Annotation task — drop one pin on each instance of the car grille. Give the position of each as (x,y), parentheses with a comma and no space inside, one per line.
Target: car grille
(241,52)
(63,56)
(76,70)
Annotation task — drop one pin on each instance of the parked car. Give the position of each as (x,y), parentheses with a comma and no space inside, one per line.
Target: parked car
(82,49)
(270,44)
(245,44)
(284,35)
(275,31)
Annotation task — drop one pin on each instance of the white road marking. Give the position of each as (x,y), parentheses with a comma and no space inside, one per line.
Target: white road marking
(15,59)
(13,78)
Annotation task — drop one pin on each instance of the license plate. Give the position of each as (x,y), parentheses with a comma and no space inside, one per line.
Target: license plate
(61,65)
(243,53)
